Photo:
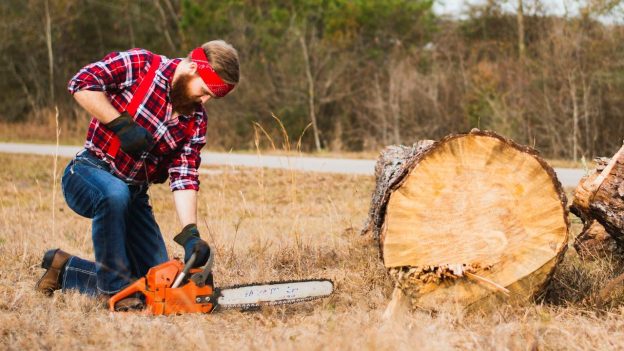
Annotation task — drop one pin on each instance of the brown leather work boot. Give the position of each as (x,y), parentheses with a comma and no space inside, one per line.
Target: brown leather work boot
(54,261)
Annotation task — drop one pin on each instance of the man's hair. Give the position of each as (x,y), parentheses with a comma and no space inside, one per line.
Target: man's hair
(223,59)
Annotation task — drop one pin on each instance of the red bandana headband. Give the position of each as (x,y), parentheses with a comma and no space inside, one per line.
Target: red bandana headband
(216,85)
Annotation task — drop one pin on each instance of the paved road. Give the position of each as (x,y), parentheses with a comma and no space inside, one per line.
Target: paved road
(567,176)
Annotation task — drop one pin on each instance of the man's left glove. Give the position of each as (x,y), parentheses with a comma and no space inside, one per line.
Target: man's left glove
(192,243)
(134,139)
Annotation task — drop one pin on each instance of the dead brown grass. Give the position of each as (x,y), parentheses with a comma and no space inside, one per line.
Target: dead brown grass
(43,131)
(269,225)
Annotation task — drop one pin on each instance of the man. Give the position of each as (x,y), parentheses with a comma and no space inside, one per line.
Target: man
(148,124)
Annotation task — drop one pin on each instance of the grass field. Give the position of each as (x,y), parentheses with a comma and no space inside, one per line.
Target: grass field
(269,225)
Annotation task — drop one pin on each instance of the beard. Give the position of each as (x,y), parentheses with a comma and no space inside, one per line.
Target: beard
(181,100)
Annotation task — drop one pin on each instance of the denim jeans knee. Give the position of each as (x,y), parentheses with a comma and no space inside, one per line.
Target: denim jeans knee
(93,192)
(126,238)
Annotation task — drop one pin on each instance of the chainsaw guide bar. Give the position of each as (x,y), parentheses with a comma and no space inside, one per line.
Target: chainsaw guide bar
(273,293)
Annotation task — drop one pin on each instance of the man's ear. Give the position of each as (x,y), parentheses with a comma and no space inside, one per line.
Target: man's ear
(192,67)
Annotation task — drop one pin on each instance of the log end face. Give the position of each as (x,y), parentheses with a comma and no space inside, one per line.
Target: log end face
(475,200)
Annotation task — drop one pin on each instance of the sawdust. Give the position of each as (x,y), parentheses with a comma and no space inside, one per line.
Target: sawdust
(415,281)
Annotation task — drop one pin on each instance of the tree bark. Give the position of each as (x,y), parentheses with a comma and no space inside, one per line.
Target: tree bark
(467,221)
(599,202)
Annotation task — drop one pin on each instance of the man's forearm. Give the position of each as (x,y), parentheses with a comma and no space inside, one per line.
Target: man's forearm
(186,206)
(97,104)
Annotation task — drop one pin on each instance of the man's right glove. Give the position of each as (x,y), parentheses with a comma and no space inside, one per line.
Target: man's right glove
(192,243)
(133,138)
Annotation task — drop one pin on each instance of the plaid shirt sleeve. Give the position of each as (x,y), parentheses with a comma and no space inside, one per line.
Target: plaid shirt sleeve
(183,171)
(116,71)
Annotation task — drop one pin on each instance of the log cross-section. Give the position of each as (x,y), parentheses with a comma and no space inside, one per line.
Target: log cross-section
(476,201)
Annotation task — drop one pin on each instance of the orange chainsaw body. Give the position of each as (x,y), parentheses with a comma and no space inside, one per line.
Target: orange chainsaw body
(161,299)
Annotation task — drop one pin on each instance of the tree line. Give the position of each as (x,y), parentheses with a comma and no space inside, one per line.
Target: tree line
(345,74)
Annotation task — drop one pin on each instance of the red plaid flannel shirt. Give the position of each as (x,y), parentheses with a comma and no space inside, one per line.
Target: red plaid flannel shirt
(173,153)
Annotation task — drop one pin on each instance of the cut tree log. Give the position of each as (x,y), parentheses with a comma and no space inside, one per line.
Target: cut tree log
(611,291)
(469,220)
(599,202)
(594,242)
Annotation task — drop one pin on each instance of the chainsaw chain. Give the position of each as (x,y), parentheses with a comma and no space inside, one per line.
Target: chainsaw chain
(272,282)
(271,303)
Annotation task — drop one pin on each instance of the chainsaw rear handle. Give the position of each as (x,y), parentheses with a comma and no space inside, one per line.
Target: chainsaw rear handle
(138,286)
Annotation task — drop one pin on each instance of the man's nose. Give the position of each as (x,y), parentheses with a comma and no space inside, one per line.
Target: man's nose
(205,98)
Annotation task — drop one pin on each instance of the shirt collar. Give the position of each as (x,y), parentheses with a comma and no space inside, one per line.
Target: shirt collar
(168,69)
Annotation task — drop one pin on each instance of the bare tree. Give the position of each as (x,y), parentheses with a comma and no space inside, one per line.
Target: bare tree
(520,20)
(48,35)
(310,91)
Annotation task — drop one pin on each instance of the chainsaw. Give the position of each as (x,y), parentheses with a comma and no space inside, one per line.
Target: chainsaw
(175,288)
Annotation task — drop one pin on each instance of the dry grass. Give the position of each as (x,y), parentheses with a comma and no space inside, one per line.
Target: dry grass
(268,225)
(43,131)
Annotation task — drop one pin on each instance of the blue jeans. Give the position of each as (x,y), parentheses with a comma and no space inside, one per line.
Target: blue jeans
(126,238)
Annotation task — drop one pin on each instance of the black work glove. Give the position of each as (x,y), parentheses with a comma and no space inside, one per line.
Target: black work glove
(192,243)
(133,138)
